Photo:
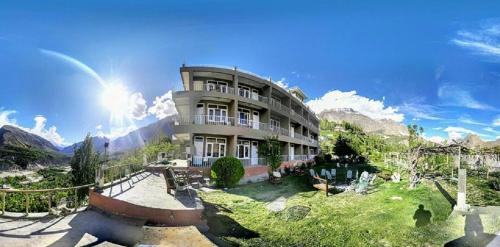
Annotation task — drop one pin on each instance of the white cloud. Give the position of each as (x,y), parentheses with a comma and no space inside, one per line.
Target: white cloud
(455,133)
(491,130)
(137,106)
(484,41)
(372,108)
(281,83)
(50,134)
(456,96)
(163,106)
(419,110)
(470,121)
(496,122)
(5,119)
(436,139)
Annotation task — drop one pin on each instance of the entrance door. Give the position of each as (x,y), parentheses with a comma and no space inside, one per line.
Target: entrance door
(292,152)
(292,131)
(198,150)
(200,112)
(256,120)
(255,153)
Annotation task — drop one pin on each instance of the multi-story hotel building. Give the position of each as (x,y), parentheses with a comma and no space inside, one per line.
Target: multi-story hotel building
(227,112)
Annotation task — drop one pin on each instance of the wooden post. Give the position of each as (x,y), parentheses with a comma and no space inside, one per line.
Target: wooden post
(76,199)
(27,203)
(326,186)
(50,201)
(3,202)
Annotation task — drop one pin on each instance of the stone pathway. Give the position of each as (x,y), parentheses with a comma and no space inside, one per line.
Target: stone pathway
(277,205)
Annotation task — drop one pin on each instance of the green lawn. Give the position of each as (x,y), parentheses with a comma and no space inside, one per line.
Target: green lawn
(239,216)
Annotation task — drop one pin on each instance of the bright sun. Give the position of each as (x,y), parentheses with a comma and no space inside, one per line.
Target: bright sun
(115,98)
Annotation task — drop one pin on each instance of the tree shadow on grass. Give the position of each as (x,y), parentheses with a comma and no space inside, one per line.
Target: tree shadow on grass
(223,226)
(267,192)
(445,194)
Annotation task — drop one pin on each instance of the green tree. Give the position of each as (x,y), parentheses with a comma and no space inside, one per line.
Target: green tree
(270,149)
(415,143)
(83,165)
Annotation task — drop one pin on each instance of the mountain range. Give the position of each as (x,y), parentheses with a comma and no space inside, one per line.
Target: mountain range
(13,136)
(474,141)
(132,140)
(385,127)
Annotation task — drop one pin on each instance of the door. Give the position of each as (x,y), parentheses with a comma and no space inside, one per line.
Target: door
(292,152)
(200,112)
(256,120)
(292,131)
(198,150)
(255,153)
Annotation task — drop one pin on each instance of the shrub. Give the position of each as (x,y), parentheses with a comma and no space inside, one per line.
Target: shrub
(328,158)
(227,171)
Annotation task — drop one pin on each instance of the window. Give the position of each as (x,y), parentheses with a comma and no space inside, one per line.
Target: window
(243,150)
(218,86)
(244,92)
(244,116)
(215,147)
(275,124)
(217,113)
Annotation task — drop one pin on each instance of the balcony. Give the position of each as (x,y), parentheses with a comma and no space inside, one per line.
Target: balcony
(278,106)
(213,88)
(241,123)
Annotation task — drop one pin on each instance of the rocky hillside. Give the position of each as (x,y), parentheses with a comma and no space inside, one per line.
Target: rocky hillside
(137,137)
(474,141)
(97,142)
(13,136)
(130,141)
(384,127)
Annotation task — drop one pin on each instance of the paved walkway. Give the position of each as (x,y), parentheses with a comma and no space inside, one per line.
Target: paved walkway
(150,190)
(85,228)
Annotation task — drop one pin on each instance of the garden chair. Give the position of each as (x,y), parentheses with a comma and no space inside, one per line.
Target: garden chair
(330,179)
(323,173)
(275,177)
(173,182)
(313,173)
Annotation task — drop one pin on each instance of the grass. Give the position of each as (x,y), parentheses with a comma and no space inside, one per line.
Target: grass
(239,215)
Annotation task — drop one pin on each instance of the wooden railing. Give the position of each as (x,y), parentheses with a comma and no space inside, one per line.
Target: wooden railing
(49,192)
(118,172)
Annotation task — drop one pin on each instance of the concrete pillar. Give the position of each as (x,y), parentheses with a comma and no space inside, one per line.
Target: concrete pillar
(231,145)
(461,196)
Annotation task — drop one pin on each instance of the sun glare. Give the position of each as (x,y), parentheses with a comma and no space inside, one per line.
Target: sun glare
(115,99)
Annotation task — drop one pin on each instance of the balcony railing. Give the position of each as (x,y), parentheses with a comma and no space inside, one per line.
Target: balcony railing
(278,106)
(200,161)
(213,88)
(242,123)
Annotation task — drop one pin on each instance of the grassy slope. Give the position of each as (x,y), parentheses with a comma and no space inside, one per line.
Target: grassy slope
(345,219)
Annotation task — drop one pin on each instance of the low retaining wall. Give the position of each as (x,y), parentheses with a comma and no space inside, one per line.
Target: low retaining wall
(168,217)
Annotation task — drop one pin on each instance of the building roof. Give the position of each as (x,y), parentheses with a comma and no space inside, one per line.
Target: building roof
(298,91)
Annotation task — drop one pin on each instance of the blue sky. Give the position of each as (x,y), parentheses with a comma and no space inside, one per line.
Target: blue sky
(436,64)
